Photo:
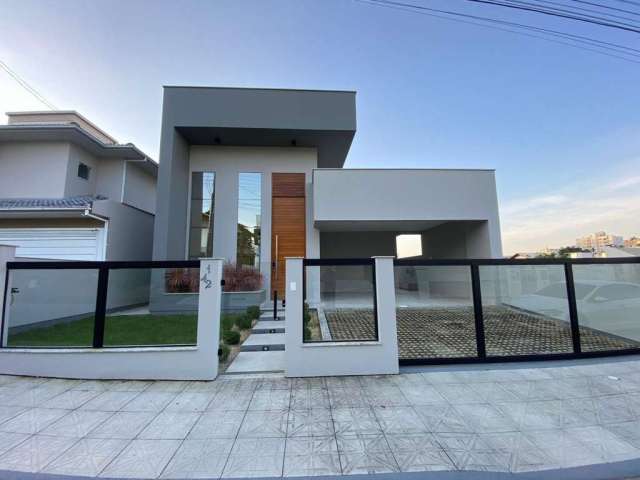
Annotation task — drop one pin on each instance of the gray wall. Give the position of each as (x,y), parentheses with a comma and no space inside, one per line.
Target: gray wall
(139,188)
(346,195)
(357,244)
(130,234)
(33,169)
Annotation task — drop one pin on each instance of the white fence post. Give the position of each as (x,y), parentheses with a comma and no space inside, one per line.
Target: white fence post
(386,304)
(209,306)
(7,254)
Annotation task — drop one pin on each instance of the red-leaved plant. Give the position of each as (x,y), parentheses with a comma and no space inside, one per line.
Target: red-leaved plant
(237,278)
(240,278)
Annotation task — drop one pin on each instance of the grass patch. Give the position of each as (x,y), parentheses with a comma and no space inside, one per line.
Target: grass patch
(119,330)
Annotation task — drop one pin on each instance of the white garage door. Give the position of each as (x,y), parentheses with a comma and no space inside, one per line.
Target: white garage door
(55,244)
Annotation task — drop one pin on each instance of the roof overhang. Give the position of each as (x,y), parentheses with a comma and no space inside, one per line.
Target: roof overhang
(322,119)
(76,135)
(42,213)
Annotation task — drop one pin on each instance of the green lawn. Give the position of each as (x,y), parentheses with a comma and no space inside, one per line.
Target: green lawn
(119,330)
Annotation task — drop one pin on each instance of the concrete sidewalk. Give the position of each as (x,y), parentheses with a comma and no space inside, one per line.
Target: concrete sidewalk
(507,419)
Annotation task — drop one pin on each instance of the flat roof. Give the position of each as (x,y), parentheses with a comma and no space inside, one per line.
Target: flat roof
(324,119)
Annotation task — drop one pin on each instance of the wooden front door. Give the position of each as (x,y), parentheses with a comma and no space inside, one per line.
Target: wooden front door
(288,230)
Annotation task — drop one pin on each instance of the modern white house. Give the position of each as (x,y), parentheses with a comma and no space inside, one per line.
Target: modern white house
(70,191)
(256,175)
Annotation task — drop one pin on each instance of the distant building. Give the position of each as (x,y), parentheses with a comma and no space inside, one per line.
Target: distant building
(597,241)
(615,252)
(633,242)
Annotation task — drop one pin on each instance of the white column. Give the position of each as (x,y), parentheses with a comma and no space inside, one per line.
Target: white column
(209,306)
(386,305)
(7,254)
(293,311)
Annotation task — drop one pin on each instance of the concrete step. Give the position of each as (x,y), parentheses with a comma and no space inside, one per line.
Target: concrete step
(263,342)
(269,315)
(257,362)
(268,326)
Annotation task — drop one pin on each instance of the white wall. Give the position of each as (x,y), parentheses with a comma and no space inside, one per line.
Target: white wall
(341,358)
(139,188)
(408,195)
(227,163)
(76,185)
(159,363)
(36,170)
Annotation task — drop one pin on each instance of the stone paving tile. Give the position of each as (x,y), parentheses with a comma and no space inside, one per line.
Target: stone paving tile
(170,425)
(308,398)
(89,457)
(6,412)
(310,423)
(122,425)
(71,399)
(366,454)
(190,402)
(33,420)
(142,459)
(442,419)
(418,452)
(77,423)
(264,424)
(270,400)
(255,457)
(217,424)
(399,420)
(108,401)
(148,401)
(10,440)
(201,458)
(355,421)
(311,456)
(35,453)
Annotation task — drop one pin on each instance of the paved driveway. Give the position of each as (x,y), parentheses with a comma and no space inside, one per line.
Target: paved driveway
(502,420)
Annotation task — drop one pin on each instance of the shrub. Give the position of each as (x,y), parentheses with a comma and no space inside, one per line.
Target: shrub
(182,280)
(223,352)
(244,322)
(231,337)
(239,278)
(253,311)
(227,321)
(306,334)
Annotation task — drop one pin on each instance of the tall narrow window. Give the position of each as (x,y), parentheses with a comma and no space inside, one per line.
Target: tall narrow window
(249,204)
(201,217)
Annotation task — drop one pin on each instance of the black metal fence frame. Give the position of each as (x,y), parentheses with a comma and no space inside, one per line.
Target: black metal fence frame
(103,269)
(482,356)
(344,262)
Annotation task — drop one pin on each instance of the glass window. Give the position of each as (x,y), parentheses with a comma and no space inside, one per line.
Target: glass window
(201,217)
(83,171)
(408,245)
(249,206)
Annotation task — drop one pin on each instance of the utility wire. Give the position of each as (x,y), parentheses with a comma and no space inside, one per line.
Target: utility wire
(23,83)
(607,7)
(623,51)
(578,18)
(591,10)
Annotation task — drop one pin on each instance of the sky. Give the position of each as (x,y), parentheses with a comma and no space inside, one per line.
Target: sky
(560,125)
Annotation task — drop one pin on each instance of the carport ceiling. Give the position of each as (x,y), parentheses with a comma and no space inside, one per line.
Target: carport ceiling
(377,225)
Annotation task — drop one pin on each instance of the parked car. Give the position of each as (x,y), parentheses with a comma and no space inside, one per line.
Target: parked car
(613,307)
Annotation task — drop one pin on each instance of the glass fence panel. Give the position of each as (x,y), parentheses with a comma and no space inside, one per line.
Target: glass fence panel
(50,308)
(526,310)
(434,312)
(152,306)
(608,302)
(340,304)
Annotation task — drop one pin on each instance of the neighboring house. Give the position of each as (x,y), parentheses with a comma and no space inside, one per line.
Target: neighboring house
(256,175)
(69,191)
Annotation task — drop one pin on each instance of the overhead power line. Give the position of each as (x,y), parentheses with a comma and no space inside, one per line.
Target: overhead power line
(559,14)
(608,7)
(576,41)
(23,83)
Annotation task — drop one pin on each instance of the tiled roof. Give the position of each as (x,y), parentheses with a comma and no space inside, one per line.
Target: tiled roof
(79,202)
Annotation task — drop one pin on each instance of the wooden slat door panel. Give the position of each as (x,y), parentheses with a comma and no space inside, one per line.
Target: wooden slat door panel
(288,224)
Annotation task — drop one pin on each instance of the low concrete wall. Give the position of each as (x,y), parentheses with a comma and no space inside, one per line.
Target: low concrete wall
(166,363)
(341,358)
